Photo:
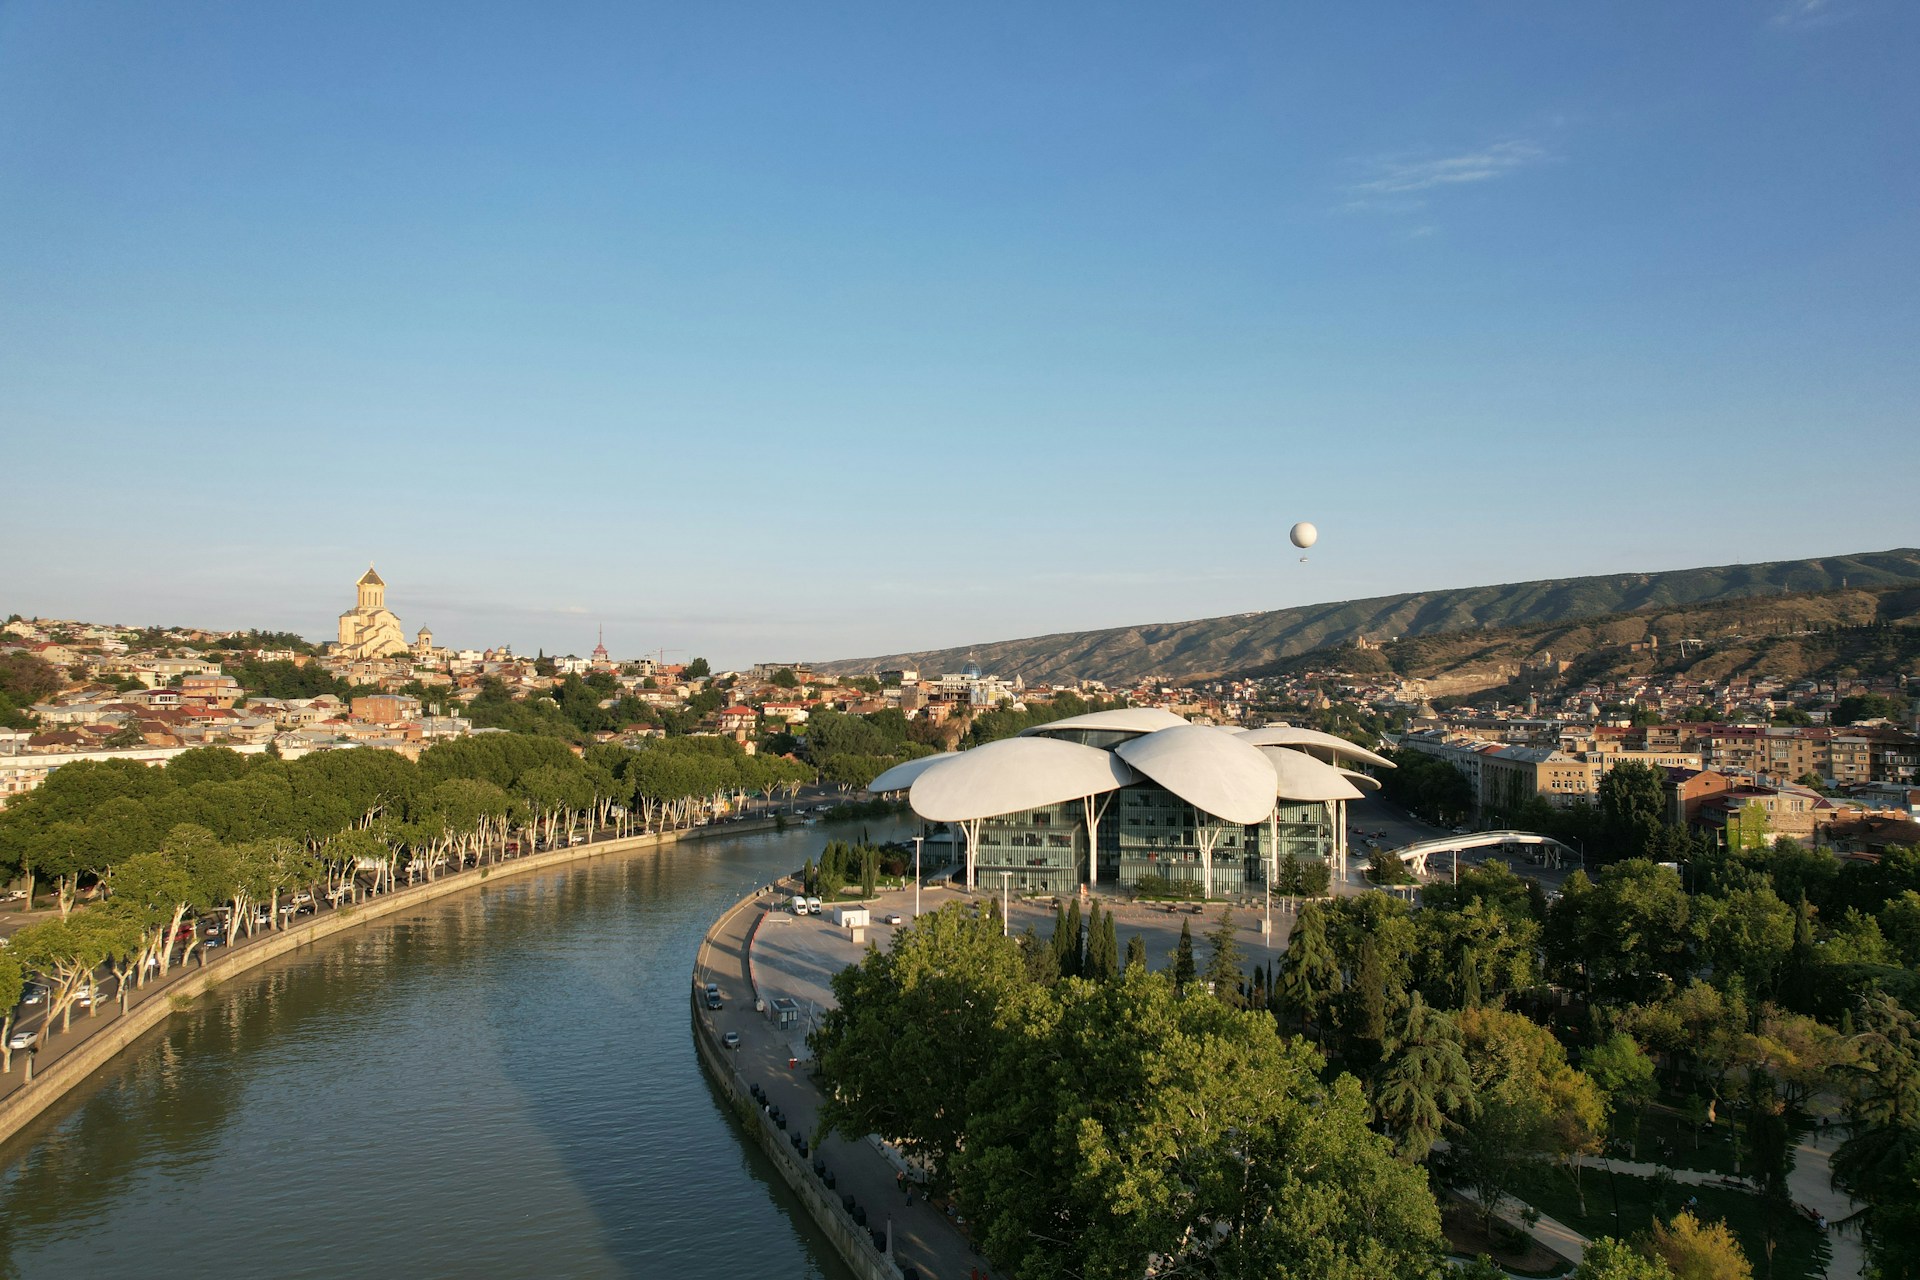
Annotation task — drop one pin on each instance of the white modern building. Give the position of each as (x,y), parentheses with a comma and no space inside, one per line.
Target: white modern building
(1120,795)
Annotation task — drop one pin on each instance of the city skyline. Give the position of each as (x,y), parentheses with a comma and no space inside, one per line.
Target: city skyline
(833,335)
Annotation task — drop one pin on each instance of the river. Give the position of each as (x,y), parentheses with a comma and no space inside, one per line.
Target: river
(501,1083)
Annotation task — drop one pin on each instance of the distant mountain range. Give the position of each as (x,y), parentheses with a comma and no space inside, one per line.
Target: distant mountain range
(1208,647)
(1852,631)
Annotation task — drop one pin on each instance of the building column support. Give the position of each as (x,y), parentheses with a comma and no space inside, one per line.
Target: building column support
(971,829)
(1206,835)
(1096,808)
(1340,834)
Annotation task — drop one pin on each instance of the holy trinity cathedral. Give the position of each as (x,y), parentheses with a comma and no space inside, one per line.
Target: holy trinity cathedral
(369,630)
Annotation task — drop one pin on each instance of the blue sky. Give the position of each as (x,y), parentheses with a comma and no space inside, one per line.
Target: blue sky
(822,330)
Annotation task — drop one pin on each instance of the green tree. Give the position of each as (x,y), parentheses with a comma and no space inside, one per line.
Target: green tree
(698,669)
(1183,966)
(1367,1005)
(1747,933)
(1136,952)
(1609,1259)
(1856,707)
(13,983)
(1103,947)
(910,1022)
(26,679)
(1625,1075)
(1529,1103)
(1900,926)
(1633,809)
(1423,1083)
(1177,1131)
(1693,1250)
(1310,979)
(1072,947)
(1879,1163)
(1224,960)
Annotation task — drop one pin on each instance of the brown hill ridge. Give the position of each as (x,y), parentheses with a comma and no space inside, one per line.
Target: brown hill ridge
(1185,651)
(1812,635)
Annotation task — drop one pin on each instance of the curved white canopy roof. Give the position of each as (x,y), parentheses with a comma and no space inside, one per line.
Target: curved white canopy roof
(1299,777)
(901,776)
(1215,772)
(1125,719)
(1289,736)
(1014,774)
(1364,781)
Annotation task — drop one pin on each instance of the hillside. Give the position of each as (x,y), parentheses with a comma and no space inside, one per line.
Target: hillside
(1252,641)
(1851,632)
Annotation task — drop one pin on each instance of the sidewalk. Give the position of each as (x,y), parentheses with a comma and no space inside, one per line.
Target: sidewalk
(1551,1232)
(922,1236)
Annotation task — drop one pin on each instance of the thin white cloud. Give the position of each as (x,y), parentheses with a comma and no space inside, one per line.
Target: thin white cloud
(1401,175)
(1806,13)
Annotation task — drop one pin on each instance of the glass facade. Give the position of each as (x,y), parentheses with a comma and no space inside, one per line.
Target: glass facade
(1144,831)
(1044,849)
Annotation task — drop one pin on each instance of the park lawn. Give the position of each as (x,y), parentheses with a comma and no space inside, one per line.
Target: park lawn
(1801,1251)
(1667,1138)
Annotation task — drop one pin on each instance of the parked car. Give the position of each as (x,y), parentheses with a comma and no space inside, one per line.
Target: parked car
(894,917)
(22,1039)
(84,997)
(731,1039)
(713,1000)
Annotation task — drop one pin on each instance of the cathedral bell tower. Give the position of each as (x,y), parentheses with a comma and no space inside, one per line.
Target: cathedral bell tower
(373,591)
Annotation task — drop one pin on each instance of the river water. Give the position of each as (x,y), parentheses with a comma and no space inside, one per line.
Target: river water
(502,1083)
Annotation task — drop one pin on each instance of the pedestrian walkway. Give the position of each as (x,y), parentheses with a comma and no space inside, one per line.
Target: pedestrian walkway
(923,1236)
(1551,1232)
(1809,1185)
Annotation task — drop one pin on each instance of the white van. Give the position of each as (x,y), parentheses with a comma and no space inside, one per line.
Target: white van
(799,904)
(813,906)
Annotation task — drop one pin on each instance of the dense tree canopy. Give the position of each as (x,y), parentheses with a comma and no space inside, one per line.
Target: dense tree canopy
(1141,1126)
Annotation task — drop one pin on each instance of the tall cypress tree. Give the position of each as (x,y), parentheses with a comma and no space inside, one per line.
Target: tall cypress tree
(1368,1000)
(1071,953)
(1096,961)
(1109,949)
(1136,951)
(1183,970)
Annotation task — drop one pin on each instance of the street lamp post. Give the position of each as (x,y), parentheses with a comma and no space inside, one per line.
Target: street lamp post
(916,876)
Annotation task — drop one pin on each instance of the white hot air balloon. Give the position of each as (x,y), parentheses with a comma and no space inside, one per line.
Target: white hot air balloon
(1303,535)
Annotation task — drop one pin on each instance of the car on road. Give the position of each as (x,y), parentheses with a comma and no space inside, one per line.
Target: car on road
(731,1039)
(84,997)
(22,1039)
(33,994)
(894,917)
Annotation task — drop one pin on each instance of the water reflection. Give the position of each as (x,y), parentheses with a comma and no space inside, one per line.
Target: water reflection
(502,1082)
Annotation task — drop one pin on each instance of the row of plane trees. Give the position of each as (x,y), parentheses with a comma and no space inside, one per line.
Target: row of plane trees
(141,860)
